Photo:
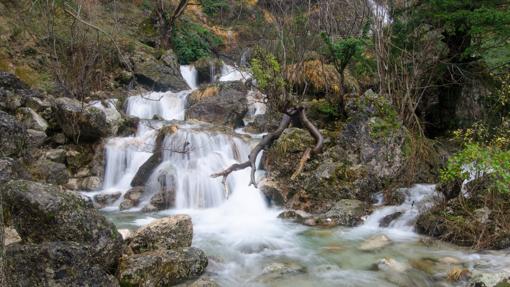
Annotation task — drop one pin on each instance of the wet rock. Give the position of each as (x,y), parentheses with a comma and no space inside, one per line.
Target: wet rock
(489,279)
(166,233)
(159,75)
(203,282)
(278,270)
(86,122)
(345,212)
(49,171)
(375,242)
(56,155)
(43,213)
(104,199)
(208,70)
(54,264)
(164,199)
(162,267)
(31,119)
(294,215)
(91,183)
(272,192)
(388,219)
(132,198)
(11,236)
(14,137)
(228,107)
(390,264)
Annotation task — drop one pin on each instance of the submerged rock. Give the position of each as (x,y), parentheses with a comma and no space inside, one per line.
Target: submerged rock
(388,219)
(390,264)
(166,233)
(42,213)
(375,242)
(54,264)
(277,270)
(162,267)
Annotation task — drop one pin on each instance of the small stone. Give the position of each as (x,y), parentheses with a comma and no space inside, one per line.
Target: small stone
(82,172)
(56,155)
(11,236)
(390,264)
(105,199)
(72,184)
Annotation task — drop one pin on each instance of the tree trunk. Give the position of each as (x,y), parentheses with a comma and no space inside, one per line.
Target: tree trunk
(294,114)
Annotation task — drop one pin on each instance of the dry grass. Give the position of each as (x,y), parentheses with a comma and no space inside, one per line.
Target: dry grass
(314,74)
(203,93)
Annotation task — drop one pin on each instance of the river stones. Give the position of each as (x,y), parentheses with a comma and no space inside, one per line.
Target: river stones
(104,199)
(390,264)
(388,219)
(162,267)
(277,270)
(375,242)
(165,233)
(43,213)
(132,198)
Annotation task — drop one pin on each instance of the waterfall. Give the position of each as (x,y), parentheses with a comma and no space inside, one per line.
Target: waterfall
(231,73)
(190,75)
(166,105)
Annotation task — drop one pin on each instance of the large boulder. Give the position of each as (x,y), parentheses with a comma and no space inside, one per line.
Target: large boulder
(54,264)
(86,122)
(49,171)
(15,138)
(44,213)
(226,106)
(165,233)
(162,267)
(158,74)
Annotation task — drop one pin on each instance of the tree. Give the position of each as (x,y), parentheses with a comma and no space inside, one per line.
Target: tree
(166,21)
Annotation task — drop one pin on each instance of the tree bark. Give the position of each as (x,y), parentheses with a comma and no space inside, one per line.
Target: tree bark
(294,114)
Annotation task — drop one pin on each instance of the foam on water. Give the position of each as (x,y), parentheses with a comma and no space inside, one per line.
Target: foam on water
(231,73)
(190,75)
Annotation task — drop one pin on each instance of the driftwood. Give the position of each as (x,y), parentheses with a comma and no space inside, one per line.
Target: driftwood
(295,116)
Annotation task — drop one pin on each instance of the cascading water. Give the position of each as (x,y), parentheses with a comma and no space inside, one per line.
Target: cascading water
(246,243)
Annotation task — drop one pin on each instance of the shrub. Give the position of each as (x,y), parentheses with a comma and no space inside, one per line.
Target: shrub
(192,42)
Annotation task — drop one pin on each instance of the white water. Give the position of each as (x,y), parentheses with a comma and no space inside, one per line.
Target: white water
(189,73)
(231,73)
(242,236)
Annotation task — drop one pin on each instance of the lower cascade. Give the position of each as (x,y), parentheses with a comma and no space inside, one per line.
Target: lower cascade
(247,244)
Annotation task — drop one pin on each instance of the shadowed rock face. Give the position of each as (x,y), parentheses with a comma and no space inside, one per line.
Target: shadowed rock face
(43,213)
(54,264)
(227,106)
(15,138)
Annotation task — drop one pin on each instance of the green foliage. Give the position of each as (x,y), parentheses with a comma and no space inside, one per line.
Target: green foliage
(324,110)
(267,71)
(341,51)
(214,7)
(478,159)
(192,42)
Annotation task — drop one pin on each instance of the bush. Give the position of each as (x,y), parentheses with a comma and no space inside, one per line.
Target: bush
(214,7)
(192,42)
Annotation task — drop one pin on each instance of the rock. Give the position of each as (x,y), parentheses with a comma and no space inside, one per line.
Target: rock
(203,282)
(228,107)
(375,242)
(56,155)
(43,213)
(388,219)
(73,184)
(132,198)
(86,122)
(104,199)
(14,137)
(36,138)
(13,92)
(54,264)
(450,260)
(294,215)
(125,233)
(278,270)
(91,183)
(12,169)
(31,119)
(37,104)
(451,189)
(49,171)
(482,214)
(164,199)
(162,267)
(11,236)
(59,138)
(208,70)
(272,192)
(390,264)
(166,233)
(159,75)
(345,212)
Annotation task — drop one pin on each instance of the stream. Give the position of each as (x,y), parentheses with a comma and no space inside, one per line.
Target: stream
(246,243)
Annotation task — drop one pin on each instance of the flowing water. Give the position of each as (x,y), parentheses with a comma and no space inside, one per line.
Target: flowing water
(246,243)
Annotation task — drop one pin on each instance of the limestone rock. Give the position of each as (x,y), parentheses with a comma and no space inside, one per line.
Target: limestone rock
(132,198)
(105,199)
(50,172)
(162,267)
(166,233)
(31,119)
(375,242)
(43,213)
(345,212)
